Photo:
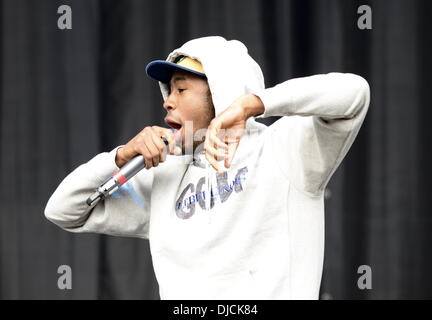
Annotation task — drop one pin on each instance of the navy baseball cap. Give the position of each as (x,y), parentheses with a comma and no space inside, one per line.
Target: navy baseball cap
(162,70)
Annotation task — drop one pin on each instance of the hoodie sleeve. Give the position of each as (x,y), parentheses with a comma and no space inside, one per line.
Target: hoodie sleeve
(124,213)
(321,116)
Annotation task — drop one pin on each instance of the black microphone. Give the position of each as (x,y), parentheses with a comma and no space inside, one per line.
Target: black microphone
(119,178)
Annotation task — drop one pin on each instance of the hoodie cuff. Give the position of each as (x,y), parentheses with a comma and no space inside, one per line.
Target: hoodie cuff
(276,102)
(104,164)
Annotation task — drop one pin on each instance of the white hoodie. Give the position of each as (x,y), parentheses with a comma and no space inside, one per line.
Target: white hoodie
(254,232)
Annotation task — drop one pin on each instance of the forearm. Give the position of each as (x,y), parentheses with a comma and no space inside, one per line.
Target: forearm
(124,213)
(67,206)
(329,96)
(252,105)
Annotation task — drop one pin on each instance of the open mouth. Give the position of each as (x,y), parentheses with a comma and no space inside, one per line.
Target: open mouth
(174,125)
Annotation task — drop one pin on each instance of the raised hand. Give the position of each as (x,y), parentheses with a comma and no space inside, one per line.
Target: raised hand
(226,130)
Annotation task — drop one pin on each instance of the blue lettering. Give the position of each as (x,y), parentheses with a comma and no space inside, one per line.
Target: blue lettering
(223,190)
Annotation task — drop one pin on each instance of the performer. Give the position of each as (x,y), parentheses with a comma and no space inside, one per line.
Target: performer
(238,212)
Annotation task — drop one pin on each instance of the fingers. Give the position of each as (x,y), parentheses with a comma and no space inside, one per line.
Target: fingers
(215,141)
(232,140)
(148,143)
(232,148)
(154,149)
(213,152)
(171,138)
(212,145)
(147,156)
(162,132)
(213,162)
(160,148)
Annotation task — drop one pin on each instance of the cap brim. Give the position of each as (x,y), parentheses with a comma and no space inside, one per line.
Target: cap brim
(162,70)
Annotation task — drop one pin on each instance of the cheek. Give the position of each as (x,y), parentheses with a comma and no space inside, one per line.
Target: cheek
(197,110)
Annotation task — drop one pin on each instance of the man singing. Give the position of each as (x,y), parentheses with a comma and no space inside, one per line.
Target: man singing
(233,209)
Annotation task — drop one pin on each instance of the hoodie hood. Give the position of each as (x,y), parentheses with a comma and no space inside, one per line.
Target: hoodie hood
(231,72)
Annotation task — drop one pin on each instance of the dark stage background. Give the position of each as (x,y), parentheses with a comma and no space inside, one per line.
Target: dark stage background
(66,95)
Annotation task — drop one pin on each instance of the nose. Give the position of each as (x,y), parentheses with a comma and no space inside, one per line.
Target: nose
(169,103)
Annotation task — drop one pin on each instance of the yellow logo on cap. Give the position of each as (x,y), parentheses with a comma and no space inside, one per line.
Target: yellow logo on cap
(190,63)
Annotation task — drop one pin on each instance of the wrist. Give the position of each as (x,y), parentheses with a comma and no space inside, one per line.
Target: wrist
(252,105)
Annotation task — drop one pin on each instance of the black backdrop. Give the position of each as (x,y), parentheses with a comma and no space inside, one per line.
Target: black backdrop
(66,95)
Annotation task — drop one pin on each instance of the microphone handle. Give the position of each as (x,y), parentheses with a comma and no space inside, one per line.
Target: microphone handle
(130,169)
